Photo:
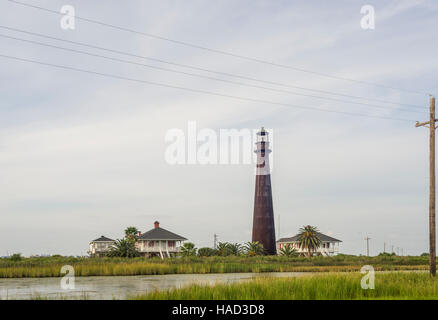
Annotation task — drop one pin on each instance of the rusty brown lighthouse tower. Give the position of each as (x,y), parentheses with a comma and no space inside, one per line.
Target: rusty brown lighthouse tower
(263,229)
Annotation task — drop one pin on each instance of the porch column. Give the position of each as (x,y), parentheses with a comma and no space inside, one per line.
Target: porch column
(161,252)
(167,248)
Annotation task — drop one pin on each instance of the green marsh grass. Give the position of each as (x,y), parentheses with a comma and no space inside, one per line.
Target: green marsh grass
(391,285)
(51,266)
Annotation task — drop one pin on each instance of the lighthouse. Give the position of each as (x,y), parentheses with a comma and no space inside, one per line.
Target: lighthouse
(263,229)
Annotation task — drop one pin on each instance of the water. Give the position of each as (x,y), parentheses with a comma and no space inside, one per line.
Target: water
(117,287)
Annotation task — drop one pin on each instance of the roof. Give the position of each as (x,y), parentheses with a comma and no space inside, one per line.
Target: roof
(160,234)
(321,236)
(102,239)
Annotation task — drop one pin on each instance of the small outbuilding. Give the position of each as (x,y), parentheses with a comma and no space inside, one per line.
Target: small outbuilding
(100,246)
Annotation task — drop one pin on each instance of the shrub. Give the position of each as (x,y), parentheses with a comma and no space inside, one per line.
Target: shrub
(207,252)
(16,257)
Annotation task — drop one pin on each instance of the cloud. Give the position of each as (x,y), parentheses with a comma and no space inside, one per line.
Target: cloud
(83,155)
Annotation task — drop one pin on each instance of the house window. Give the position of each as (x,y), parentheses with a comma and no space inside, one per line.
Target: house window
(171,244)
(151,244)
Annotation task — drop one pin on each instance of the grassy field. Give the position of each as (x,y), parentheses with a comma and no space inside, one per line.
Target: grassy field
(392,285)
(51,266)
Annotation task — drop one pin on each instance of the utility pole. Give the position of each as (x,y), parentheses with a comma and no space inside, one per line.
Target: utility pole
(392,249)
(432,241)
(215,241)
(384,247)
(368,251)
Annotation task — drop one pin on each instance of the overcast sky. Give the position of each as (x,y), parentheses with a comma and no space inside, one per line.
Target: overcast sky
(83,155)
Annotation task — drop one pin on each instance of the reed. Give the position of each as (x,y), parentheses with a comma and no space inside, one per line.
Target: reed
(51,266)
(401,285)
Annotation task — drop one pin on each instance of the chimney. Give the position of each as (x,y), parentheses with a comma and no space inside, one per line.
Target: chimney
(139,233)
(156,224)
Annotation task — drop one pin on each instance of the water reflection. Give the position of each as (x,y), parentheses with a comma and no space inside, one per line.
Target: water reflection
(117,287)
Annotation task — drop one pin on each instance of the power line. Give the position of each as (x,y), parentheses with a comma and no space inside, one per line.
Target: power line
(187,44)
(201,91)
(207,70)
(205,77)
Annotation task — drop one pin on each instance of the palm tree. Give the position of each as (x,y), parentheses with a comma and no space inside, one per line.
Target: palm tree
(131,234)
(235,249)
(254,249)
(308,239)
(223,249)
(188,249)
(288,251)
(123,248)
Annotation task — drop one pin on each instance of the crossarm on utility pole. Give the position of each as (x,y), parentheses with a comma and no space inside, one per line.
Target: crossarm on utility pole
(421,124)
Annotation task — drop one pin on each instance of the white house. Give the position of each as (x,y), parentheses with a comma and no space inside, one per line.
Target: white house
(100,246)
(329,246)
(159,242)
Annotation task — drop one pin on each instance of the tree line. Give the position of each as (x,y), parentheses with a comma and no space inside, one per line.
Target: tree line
(308,241)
